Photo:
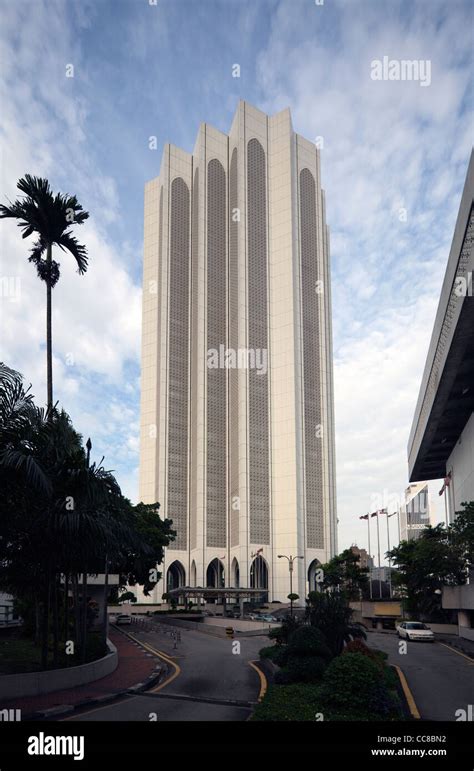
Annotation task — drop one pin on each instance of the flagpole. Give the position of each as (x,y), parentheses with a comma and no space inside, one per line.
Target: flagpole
(378,549)
(370,556)
(389,559)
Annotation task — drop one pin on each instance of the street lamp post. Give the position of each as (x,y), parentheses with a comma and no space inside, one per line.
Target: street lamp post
(290,559)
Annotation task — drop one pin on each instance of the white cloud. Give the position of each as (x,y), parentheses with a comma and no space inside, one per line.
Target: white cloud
(387,145)
(96,317)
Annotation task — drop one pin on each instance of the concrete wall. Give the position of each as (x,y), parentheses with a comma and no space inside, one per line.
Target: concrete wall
(38,683)
(461,465)
(458,597)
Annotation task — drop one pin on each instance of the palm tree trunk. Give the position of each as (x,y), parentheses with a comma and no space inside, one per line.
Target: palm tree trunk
(45,630)
(77,612)
(37,619)
(84,617)
(49,336)
(55,622)
(106,588)
(66,607)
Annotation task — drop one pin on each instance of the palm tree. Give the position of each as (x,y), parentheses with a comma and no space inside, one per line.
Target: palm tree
(50,217)
(330,612)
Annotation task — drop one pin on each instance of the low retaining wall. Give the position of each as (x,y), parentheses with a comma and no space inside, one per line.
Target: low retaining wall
(214,630)
(443,628)
(39,683)
(198,626)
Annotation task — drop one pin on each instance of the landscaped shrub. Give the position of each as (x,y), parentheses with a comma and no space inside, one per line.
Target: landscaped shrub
(304,669)
(358,646)
(289,702)
(308,641)
(281,634)
(355,683)
(270,652)
(350,681)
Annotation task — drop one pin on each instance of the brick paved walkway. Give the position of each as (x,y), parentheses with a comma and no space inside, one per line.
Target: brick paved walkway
(134,666)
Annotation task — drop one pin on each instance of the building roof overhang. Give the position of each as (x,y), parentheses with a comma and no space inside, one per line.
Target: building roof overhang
(446,398)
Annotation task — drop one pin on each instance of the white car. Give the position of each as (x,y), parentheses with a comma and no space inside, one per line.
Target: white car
(415,630)
(123,618)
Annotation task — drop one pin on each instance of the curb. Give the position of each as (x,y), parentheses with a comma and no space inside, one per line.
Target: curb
(458,649)
(64,709)
(409,702)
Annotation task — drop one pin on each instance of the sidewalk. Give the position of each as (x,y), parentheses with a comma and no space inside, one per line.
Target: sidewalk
(460,643)
(135,665)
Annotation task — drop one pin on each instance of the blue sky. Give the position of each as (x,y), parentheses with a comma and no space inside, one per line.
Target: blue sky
(142,70)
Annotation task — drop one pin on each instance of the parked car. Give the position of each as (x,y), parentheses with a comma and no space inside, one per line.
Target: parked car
(268,618)
(415,630)
(123,618)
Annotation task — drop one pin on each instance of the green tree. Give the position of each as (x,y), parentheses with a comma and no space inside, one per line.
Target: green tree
(330,613)
(127,597)
(50,217)
(461,533)
(139,558)
(343,572)
(63,518)
(423,565)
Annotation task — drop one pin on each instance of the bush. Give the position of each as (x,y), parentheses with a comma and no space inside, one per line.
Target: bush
(308,669)
(281,634)
(358,646)
(354,682)
(270,652)
(308,641)
(289,702)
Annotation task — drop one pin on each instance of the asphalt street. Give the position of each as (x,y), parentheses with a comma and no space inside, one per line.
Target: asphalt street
(208,669)
(440,679)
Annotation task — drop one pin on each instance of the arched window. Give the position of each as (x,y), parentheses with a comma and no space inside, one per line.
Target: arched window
(175,576)
(215,574)
(235,573)
(313,575)
(259,576)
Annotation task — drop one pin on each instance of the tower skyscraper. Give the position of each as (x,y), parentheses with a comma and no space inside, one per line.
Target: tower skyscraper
(237,420)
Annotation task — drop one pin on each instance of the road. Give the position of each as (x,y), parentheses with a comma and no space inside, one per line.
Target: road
(440,679)
(206,668)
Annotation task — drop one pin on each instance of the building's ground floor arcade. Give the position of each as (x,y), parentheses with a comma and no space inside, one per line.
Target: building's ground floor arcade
(176,579)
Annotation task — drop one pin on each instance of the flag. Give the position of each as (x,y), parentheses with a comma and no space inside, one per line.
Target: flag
(365,516)
(446,483)
(392,515)
(374,514)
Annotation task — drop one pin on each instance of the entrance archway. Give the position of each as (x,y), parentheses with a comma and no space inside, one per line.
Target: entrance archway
(175,576)
(215,574)
(235,572)
(314,585)
(259,576)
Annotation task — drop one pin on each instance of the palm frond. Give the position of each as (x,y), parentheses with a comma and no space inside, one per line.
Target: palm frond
(78,251)
(25,462)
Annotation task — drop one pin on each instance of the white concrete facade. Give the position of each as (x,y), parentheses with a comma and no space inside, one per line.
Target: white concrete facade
(441,443)
(460,465)
(236,258)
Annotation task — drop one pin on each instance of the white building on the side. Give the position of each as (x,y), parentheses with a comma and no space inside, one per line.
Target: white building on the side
(237,423)
(441,443)
(423,506)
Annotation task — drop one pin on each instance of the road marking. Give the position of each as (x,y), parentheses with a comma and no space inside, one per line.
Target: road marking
(161,655)
(455,651)
(263,680)
(408,694)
